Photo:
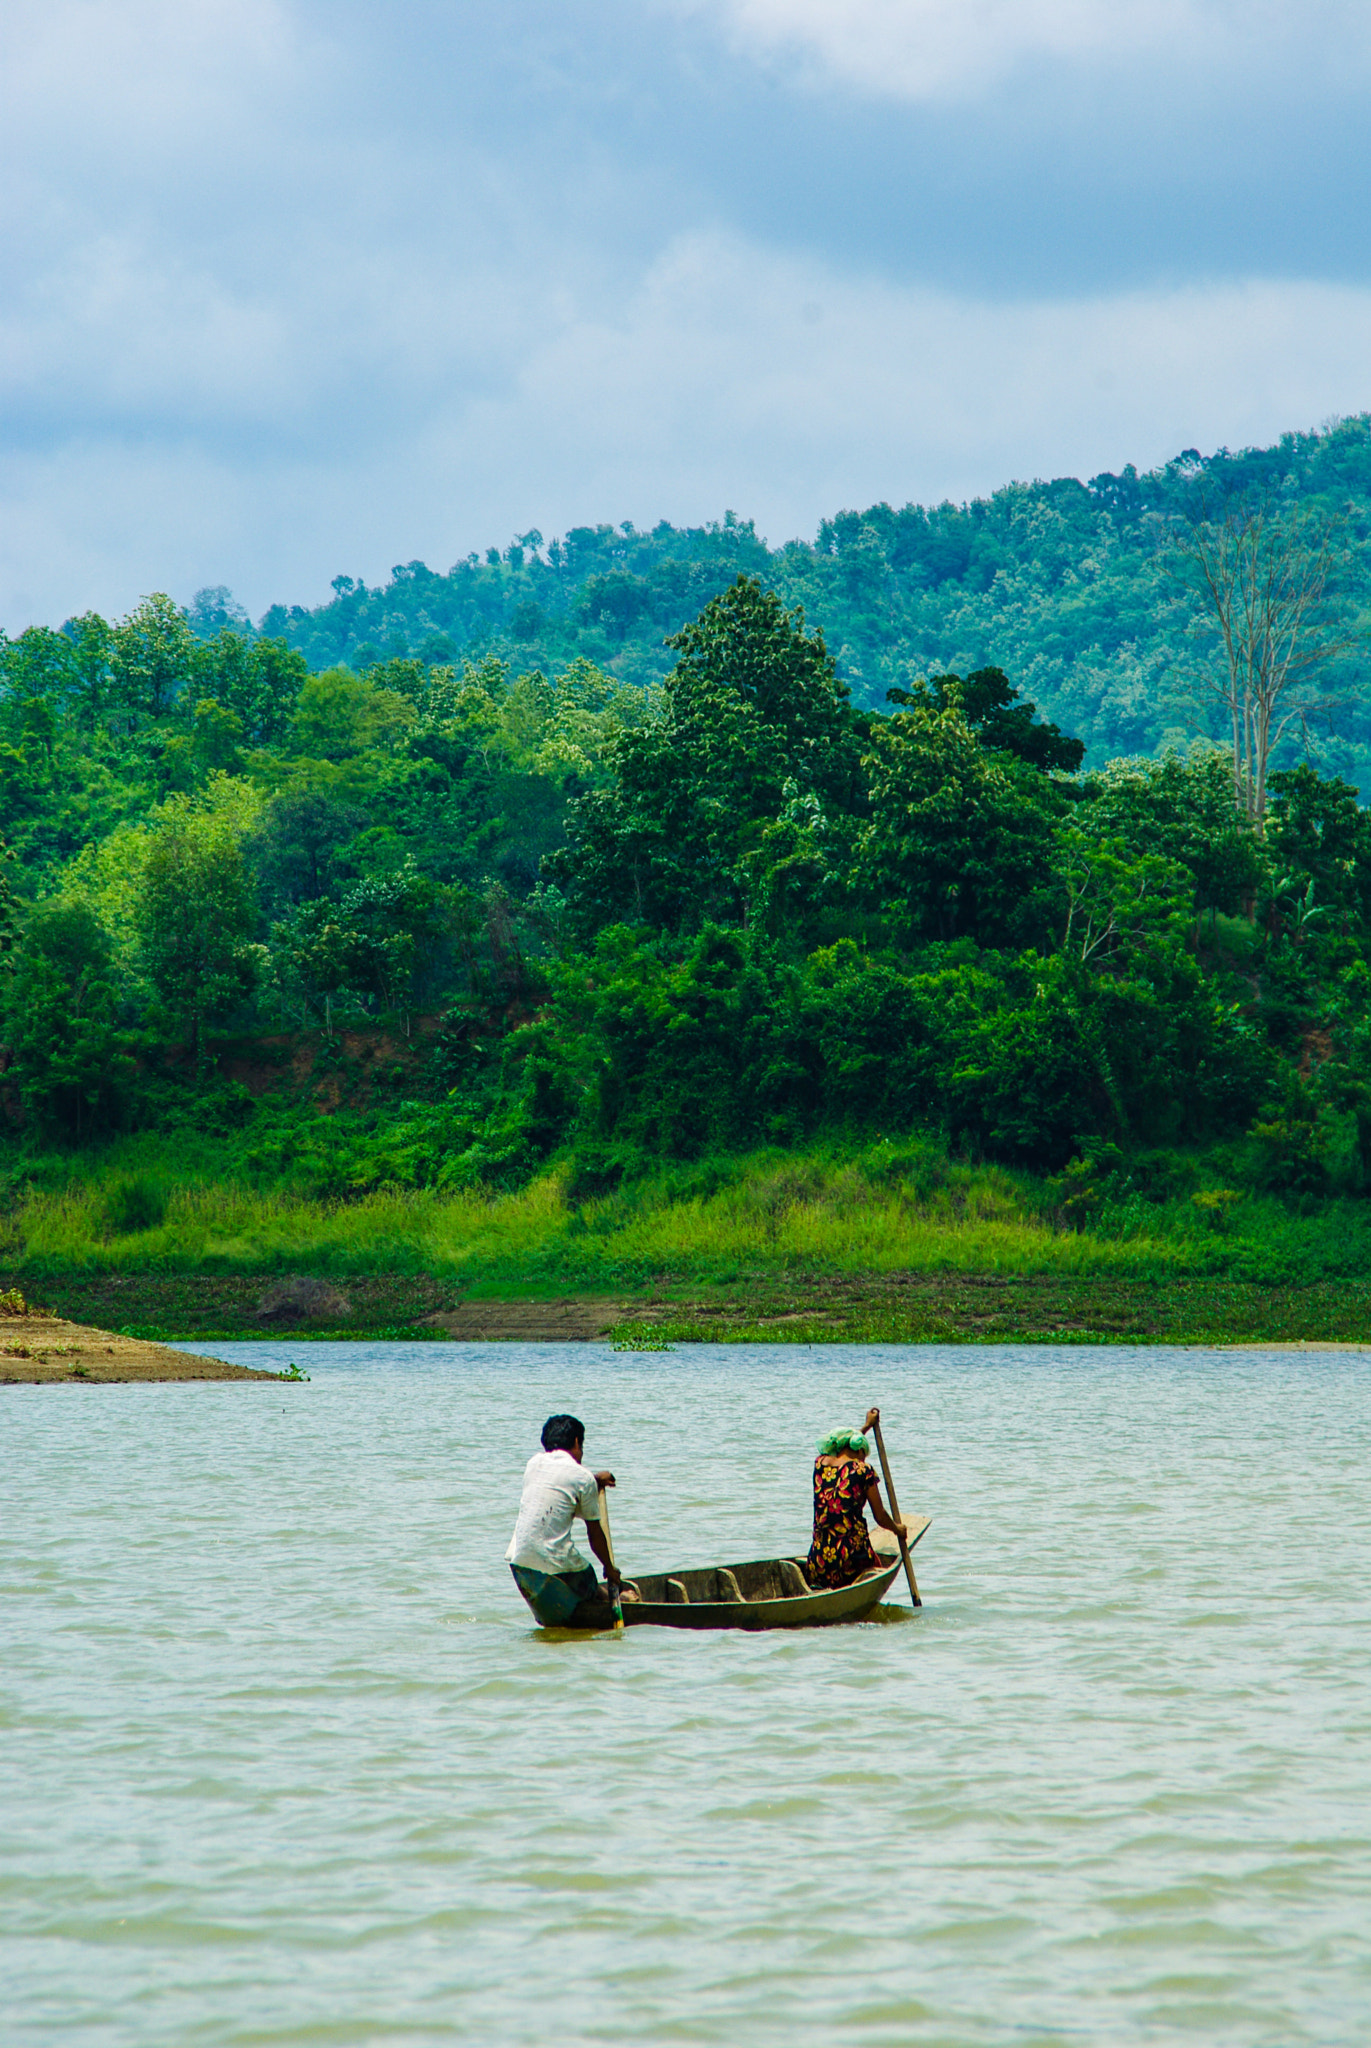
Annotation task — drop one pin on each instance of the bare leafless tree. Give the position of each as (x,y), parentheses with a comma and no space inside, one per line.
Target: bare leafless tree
(1264,573)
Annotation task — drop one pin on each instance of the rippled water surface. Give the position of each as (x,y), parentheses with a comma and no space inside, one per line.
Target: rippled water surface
(283,1761)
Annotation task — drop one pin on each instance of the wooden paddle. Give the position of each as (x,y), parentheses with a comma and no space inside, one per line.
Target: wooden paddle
(894,1513)
(617,1601)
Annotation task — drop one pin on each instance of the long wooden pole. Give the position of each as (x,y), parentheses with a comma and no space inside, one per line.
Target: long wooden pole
(895,1514)
(609,1546)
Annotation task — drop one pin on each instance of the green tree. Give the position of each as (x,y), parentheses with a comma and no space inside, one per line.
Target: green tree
(153,655)
(195,917)
(258,680)
(339,715)
(391,924)
(752,705)
(1317,829)
(746,644)
(374,943)
(682,1055)
(217,737)
(36,666)
(310,958)
(1118,903)
(298,848)
(92,649)
(988,701)
(67,671)
(664,845)
(211,747)
(1183,809)
(215,609)
(9,907)
(67,1057)
(959,841)
(800,872)
(1030,1078)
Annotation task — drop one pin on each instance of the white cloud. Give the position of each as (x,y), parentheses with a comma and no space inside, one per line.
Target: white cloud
(204,241)
(946,49)
(294,288)
(786,389)
(729,376)
(150,71)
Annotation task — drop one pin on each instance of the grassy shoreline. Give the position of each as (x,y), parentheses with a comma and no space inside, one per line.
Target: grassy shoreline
(834,1243)
(851,1308)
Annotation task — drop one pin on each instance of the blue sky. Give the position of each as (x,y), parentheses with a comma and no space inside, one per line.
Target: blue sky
(295,288)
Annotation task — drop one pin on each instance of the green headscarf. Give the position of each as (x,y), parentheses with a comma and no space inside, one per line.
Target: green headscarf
(844,1440)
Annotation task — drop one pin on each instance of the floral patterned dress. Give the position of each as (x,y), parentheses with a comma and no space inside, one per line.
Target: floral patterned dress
(841,1550)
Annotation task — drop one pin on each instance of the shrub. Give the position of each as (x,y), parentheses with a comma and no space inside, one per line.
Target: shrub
(1215,1205)
(137,1204)
(1290,1155)
(1161,1174)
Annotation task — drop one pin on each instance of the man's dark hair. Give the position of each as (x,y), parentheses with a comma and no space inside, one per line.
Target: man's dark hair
(563,1433)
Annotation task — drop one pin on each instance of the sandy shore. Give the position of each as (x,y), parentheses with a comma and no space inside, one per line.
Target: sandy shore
(46,1351)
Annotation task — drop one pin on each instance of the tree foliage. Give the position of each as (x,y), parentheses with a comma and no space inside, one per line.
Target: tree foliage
(626,911)
(958,840)
(752,709)
(68,1060)
(1065,584)
(195,917)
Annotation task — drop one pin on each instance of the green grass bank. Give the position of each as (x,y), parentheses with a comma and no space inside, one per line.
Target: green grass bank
(875,1242)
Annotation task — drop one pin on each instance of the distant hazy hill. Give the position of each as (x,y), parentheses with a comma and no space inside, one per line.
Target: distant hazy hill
(1062,584)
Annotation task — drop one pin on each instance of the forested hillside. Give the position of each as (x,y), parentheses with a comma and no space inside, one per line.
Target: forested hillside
(1066,586)
(595,859)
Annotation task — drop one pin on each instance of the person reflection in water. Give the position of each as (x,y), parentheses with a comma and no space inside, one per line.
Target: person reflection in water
(556,1581)
(844,1486)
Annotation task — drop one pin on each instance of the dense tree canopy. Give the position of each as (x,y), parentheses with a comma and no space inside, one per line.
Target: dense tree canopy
(648,869)
(1075,590)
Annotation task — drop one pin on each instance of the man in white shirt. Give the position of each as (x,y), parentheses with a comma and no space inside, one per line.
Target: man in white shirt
(557,1582)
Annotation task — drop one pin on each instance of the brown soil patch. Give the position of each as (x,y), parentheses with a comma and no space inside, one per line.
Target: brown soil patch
(534,1322)
(48,1351)
(353,1064)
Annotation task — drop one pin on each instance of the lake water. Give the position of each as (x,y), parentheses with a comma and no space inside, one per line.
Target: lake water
(282,1759)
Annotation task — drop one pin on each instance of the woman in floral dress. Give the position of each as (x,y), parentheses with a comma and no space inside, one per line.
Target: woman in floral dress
(844,1486)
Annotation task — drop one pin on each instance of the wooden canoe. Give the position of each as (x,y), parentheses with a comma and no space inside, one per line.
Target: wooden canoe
(769,1592)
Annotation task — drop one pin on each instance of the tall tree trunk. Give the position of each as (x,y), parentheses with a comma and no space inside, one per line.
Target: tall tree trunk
(1263,574)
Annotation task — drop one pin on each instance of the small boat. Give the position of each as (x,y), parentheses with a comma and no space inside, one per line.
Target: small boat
(770,1592)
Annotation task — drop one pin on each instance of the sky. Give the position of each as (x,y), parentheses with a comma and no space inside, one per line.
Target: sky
(300,288)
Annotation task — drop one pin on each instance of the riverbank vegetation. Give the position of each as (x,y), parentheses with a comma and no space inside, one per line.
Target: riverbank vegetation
(836,1207)
(864,1240)
(580,980)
